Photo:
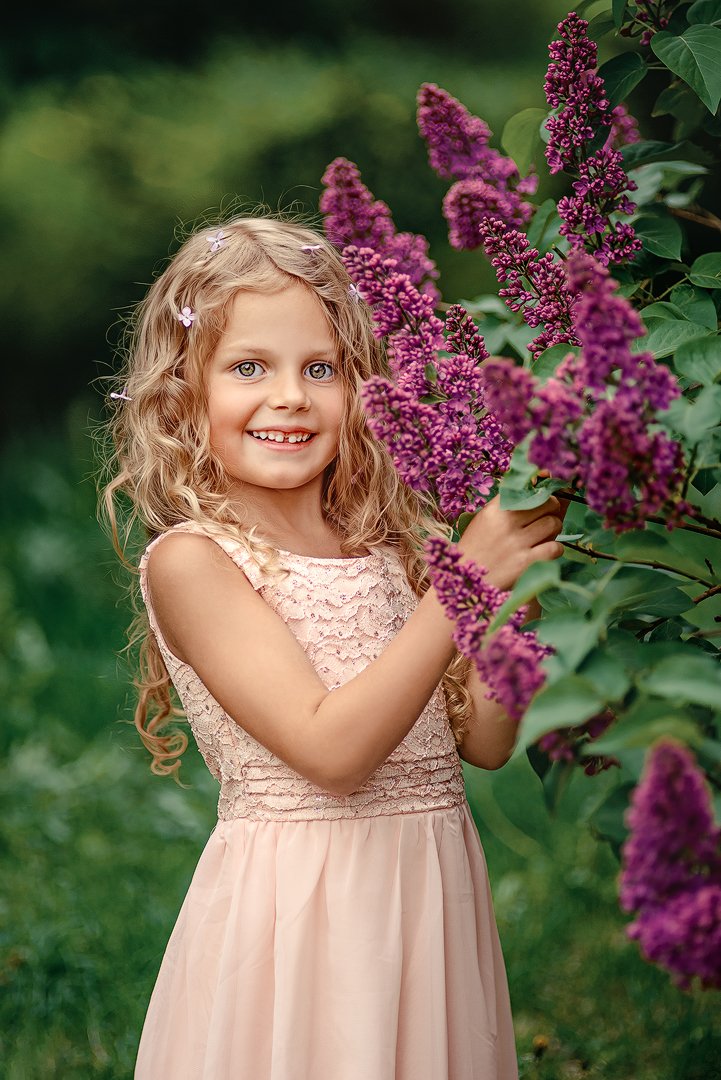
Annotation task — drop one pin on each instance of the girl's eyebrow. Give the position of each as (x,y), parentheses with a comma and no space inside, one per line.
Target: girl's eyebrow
(259,350)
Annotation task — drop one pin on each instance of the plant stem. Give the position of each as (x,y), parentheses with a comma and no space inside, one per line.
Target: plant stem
(713,591)
(703,217)
(708,530)
(593,554)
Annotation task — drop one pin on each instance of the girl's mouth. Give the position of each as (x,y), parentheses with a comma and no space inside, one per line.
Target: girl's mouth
(283,438)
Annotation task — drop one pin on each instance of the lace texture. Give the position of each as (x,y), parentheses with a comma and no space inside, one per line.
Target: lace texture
(343,612)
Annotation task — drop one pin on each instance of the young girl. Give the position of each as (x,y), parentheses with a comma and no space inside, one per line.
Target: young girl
(339,923)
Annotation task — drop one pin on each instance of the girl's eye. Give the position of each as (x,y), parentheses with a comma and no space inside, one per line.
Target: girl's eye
(320,370)
(248,368)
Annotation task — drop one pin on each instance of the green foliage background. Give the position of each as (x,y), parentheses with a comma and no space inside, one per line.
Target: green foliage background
(115,129)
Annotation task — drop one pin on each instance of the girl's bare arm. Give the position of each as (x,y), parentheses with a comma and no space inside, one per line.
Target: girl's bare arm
(212,619)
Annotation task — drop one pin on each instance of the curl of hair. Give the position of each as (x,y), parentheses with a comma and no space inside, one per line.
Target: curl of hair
(161,470)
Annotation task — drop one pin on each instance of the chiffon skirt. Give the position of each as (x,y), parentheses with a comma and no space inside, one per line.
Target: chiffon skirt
(352,949)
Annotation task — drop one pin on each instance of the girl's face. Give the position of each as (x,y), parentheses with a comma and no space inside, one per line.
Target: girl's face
(275,396)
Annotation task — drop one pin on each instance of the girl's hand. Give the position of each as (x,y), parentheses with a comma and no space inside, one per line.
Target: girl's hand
(506,542)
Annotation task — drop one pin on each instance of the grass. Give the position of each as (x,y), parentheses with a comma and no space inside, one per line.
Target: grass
(96,854)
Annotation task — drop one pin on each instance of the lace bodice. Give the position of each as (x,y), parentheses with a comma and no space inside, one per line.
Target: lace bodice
(343,612)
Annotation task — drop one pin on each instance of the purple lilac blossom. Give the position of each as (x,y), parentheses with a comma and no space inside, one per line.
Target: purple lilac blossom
(509,660)
(684,935)
(453,449)
(671,874)
(532,283)
(576,93)
(487,183)
(593,423)
(673,838)
(586,216)
(469,202)
(354,216)
(462,334)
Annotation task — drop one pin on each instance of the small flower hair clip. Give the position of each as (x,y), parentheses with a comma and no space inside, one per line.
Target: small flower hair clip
(186,316)
(312,247)
(122,396)
(217,241)
(354,292)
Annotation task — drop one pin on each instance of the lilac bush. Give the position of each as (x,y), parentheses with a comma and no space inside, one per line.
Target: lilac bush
(614,403)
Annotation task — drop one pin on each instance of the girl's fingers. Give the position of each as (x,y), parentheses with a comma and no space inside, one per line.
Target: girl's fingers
(543,528)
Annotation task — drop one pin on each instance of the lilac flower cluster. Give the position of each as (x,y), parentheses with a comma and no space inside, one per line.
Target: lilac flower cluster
(671,873)
(593,423)
(508,660)
(576,93)
(532,283)
(401,314)
(585,216)
(354,216)
(454,449)
(451,448)
(487,184)
(565,743)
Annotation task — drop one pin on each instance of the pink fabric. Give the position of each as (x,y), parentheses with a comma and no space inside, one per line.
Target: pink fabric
(328,938)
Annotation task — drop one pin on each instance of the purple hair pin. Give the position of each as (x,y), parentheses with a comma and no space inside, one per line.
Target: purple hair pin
(312,247)
(186,316)
(354,292)
(122,396)
(217,241)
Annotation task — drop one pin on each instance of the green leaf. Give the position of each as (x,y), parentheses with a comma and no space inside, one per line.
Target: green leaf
(649,546)
(660,234)
(607,673)
(619,11)
(521,138)
(705,11)
(693,419)
(555,781)
(565,703)
(543,230)
(572,635)
(621,74)
(545,366)
(430,373)
(700,360)
(706,270)
(696,305)
(666,335)
(646,151)
(662,309)
(638,589)
(538,577)
(601,24)
(691,676)
(695,56)
(709,503)
(608,820)
(648,721)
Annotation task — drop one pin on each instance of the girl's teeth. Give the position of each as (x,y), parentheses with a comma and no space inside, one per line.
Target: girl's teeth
(277,437)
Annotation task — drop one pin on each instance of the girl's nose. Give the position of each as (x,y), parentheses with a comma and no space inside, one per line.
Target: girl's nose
(288,392)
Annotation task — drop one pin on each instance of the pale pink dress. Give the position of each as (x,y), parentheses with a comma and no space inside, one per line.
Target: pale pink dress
(327,937)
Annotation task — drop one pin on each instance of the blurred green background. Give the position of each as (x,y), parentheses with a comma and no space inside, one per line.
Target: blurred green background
(118,126)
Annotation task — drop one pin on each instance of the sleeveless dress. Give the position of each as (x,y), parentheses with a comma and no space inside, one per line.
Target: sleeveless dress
(330,937)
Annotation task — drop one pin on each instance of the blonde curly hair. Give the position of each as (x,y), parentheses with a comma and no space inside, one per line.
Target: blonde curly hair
(161,469)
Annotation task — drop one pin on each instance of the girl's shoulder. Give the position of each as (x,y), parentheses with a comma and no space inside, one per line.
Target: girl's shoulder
(234,548)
